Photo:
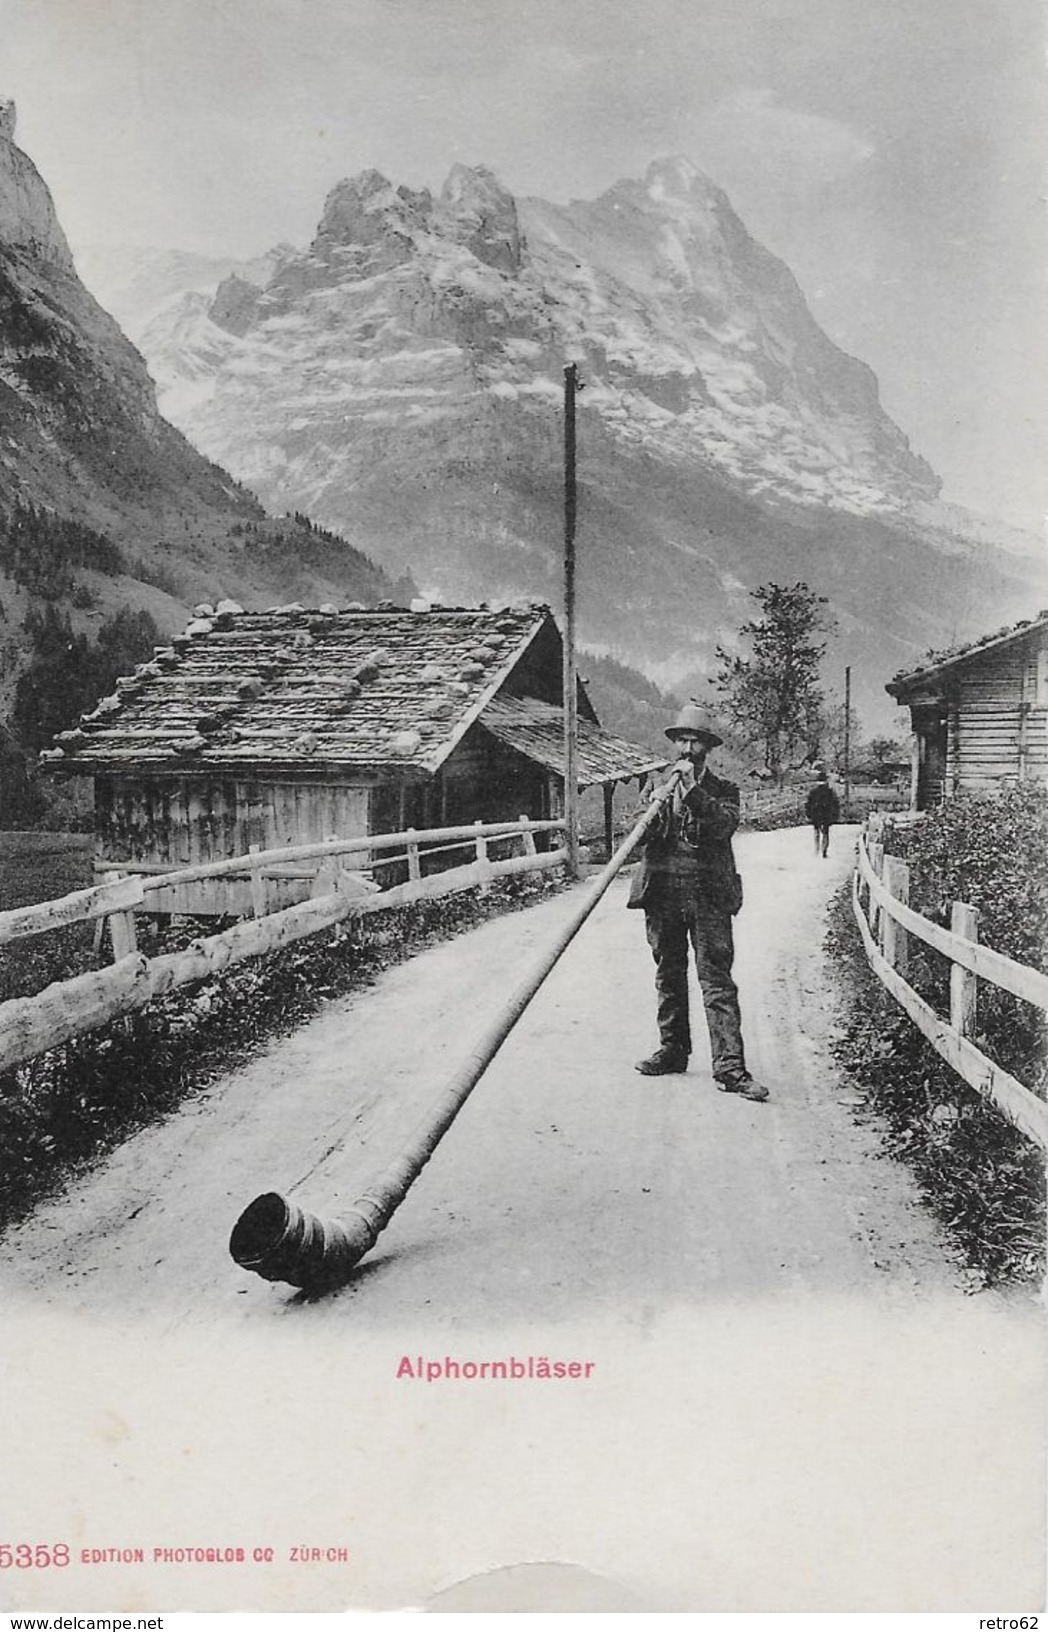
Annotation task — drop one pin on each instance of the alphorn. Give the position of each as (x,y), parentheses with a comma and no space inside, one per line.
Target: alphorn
(282,1242)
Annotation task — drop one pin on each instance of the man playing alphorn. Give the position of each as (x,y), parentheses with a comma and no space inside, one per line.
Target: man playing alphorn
(689,888)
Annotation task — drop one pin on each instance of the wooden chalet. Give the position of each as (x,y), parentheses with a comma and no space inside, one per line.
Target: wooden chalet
(979,714)
(267,729)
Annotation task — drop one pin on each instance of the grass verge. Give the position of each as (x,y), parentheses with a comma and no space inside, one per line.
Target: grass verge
(64,1109)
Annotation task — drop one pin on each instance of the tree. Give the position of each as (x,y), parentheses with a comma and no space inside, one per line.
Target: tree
(773,697)
(881,754)
(58,683)
(21,802)
(882,749)
(835,731)
(66,674)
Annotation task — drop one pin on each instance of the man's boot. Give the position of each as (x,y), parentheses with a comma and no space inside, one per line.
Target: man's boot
(740,1082)
(664,1062)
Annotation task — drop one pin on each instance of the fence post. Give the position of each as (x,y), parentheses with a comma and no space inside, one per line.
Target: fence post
(964,921)
(414,867)
(259,902)
(875,851)
(482,855)
(527,837)
(895,943)
(122,934)
(122,930)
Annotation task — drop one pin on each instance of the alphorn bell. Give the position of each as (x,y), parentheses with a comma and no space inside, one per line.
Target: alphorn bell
(281,1242)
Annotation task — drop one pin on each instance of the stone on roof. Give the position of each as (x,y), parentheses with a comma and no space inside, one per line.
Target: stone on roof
(292,688)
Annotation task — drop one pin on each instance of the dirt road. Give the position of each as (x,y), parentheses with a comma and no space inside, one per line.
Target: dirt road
(770,1318)
(568,1180)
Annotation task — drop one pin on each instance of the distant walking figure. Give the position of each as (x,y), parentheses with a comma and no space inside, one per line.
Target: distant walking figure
(822,808)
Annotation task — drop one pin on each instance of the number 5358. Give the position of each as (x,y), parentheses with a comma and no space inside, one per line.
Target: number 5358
(38,1555)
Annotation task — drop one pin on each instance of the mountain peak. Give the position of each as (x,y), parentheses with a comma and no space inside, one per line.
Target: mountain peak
(468,184)
(697,341)
(366,210)
(485,214)
(373,223)
(674,187)
(674,176)
(27,214)
(365,193)
(400,391)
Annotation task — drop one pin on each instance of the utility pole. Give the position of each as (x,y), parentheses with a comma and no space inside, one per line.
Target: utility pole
(847,740)
(571,720)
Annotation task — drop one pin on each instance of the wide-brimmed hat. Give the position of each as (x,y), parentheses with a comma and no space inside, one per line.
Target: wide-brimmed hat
(694,721)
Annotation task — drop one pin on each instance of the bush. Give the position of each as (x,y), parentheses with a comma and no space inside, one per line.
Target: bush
(981,1177)
(989,851)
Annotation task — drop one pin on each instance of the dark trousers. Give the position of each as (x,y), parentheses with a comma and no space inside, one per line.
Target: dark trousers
(822,838)
(708,929)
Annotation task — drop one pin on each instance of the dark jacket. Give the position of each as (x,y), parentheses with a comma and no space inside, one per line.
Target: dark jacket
(702,829)
(822,807)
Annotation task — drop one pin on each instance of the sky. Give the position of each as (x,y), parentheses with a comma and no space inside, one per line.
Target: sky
(891,151)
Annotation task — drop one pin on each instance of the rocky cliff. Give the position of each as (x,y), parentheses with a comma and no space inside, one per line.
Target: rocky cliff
(128,513)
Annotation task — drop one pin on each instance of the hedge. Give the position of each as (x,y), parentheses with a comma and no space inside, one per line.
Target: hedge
(982,1178)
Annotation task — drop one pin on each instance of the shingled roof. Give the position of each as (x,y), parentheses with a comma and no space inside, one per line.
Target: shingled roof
(938,661)
(537,729)
(328,689)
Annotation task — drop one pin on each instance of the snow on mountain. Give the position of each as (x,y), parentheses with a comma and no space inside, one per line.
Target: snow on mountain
(137,283)
(696,341)
(710,348)
(401,379)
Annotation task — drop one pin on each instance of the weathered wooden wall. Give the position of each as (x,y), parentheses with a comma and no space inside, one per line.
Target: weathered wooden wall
(998,718)
(483,780)
(185,821)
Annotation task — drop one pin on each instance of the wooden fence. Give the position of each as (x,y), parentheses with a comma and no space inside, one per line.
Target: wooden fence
(31,1025)
(880,897)
(774,805)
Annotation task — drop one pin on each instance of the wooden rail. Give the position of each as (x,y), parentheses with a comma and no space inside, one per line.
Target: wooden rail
(31,1025)
(156,876)
(886,924)
(81,907)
